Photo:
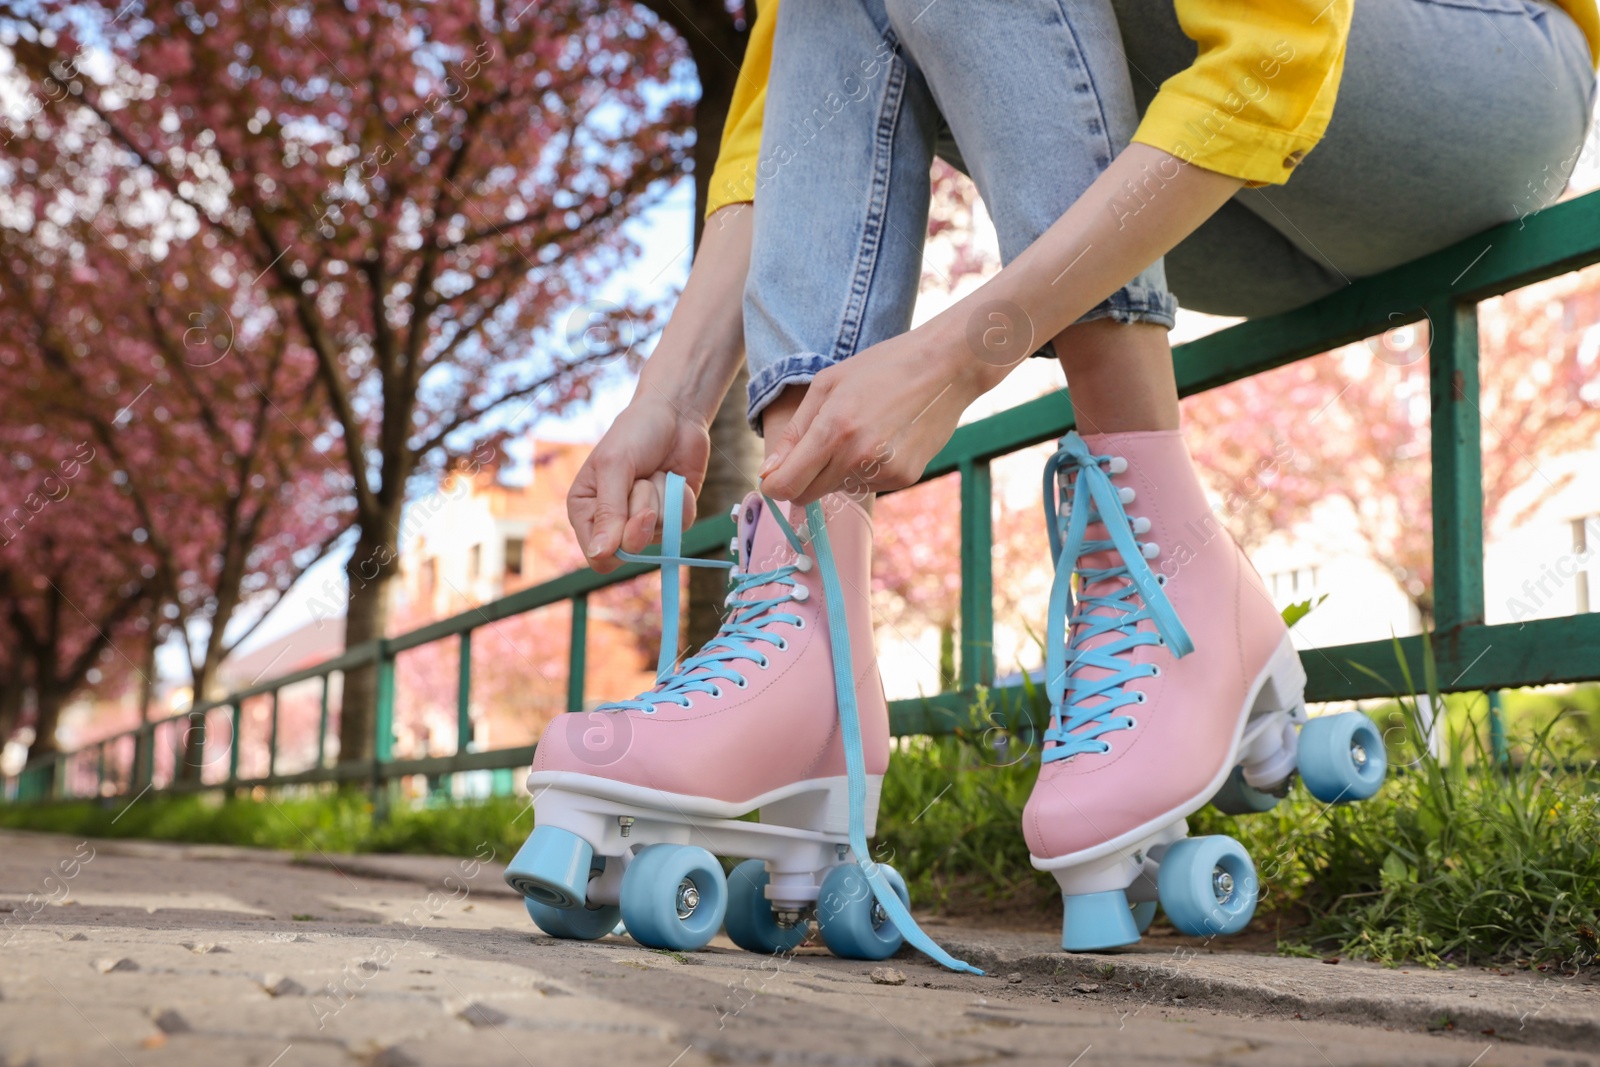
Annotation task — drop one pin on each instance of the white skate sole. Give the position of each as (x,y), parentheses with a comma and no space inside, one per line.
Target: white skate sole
(1264,741)
(803,830)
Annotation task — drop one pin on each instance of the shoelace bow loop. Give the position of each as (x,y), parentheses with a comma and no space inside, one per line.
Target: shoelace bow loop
(1082,708)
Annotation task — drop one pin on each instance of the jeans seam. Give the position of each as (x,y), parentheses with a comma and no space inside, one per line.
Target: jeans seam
(877,209)
(1094,90)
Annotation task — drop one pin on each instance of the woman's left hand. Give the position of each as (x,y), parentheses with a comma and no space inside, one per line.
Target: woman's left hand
(873,422)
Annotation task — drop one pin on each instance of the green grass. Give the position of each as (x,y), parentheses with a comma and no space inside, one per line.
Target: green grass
(327,821)
(1453,862)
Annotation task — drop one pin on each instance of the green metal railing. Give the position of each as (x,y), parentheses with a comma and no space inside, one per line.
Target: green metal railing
(1444,289)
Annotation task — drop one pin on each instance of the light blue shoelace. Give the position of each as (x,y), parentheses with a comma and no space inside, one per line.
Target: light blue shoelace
(736,641)
(1083,709)
(744,624)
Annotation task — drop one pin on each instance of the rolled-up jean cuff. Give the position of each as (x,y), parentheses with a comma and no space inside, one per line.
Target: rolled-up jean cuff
(1130,304)
(1136,303)
(770,380)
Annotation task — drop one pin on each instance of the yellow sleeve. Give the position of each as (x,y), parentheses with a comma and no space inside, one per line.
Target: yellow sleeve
(1261,90)
(733,179)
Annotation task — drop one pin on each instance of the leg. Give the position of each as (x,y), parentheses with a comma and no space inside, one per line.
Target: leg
(841,197)
(1120,376)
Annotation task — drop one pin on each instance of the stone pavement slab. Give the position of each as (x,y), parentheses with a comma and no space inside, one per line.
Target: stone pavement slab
(141,952)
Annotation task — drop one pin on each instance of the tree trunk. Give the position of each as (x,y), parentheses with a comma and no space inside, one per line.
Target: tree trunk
(48,700)
(10,708)
(194,734)
(371,571)
(145,739)
(735,458)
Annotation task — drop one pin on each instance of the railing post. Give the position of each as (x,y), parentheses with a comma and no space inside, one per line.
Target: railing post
(272,738)
(383,734)
(383,721)
(1457,465)
(578,652)
(237,710)
(464,694)
(322,723)
(1499,751)
(977,574)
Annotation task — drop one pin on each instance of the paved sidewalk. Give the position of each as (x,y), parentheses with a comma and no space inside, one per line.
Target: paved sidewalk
(156,953)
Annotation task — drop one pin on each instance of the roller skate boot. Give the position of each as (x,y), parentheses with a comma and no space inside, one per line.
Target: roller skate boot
(1172,682)
(780,714)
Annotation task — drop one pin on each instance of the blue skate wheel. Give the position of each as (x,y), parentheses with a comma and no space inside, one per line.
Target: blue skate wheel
(851,922)
(1238,797)
(552,867)
(574,924)
(1342,757)
(1207,886)
(1094,921)
(674,897)
(1144,913)
(750,921)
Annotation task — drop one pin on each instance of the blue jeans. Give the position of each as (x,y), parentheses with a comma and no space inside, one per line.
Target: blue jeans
(1453,116)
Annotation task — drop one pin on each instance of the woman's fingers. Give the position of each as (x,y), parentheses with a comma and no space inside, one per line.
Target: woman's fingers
(597,507)
(644,510)
(801,452)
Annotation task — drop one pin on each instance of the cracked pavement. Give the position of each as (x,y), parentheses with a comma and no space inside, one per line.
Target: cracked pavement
(141,952)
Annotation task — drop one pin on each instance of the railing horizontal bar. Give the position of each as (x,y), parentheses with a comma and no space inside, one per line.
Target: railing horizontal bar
(705,536)
(1506,656)
(352,657)
(1557,240)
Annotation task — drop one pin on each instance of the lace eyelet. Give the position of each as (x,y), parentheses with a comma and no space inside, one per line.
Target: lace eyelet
(742,684)
(1132,723)
(716,692)
(765,663)
(1161,579)
(1141,695)
(783,645)
(1155,671)
(800,624)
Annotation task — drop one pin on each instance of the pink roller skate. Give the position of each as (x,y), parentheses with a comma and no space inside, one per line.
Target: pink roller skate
(1149,723)
(633,802)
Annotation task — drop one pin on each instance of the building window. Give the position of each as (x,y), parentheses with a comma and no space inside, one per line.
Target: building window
(1293,586)
(1586,553)
(514,557)
(474,562)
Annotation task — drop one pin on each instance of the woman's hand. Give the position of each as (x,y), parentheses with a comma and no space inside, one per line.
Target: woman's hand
(616,500)
(872,422)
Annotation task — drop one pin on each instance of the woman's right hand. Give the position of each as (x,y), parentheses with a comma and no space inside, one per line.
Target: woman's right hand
(616,500)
